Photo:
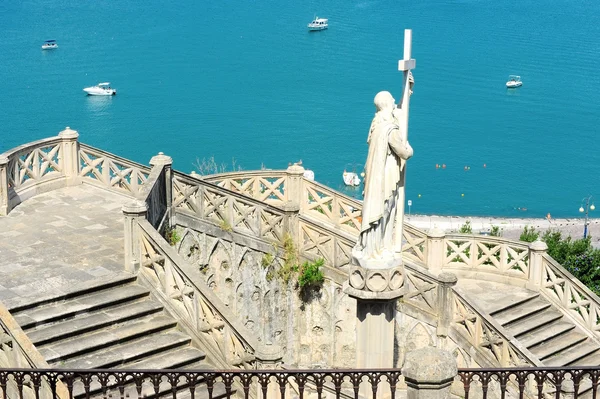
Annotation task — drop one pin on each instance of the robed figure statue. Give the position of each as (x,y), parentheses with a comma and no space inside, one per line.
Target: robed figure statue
(383,206)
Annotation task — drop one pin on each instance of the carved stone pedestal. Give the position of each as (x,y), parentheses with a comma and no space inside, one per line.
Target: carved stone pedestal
(376,292)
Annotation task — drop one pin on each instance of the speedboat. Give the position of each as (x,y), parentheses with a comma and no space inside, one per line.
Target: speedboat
(318,24)
(49,45)
(351,179)
(101,89)
(309,175)
(514,81)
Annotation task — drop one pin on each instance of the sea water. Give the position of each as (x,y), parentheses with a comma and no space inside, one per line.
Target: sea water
(245,82)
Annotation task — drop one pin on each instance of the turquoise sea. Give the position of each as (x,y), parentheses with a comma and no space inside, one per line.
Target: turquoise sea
(244,79)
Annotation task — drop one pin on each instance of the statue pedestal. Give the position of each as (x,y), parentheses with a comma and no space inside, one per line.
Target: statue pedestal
(376,291)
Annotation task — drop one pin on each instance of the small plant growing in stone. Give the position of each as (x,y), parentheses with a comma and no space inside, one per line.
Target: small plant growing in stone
(225,226)
(267,260)
(310,274)
(172,236)
(466,228)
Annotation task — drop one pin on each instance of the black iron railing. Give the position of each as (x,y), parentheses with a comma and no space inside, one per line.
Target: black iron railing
(531,382)
(38,383)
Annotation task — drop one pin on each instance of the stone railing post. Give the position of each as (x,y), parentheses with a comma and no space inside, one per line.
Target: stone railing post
(445,302)
(3,186)
(133,212)
(435,250)
(293,192)
(166,162)
(536,267)
(428,373)
(70,155)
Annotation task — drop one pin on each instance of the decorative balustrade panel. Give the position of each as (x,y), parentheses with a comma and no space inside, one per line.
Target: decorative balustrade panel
(414,243)
(208,383)
(487,254)
(231,212)
(421,291)
(109,171)
(540,383)
(192,305)
(571,296)
(266,186)
(322,203)
(29,165)
(486,338)
(317,242)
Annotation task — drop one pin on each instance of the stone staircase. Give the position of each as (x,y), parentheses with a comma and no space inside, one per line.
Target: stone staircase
(116,324)
(547,333)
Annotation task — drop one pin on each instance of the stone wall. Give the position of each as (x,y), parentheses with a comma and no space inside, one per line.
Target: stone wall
(317,331)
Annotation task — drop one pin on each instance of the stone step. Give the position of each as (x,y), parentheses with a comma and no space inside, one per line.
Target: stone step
(522,311)
(89,322)
(188,357)
(545,333)
(558,344)
(591,360)
(116,334)
(533,322)
(139,349)
(571,356)
(20,304)
(84,304)
(501,302)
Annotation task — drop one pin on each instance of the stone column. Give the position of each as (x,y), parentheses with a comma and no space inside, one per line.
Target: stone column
(445,299)
(428,373)
(435,250)
(166,162)
(536,268)
(70,155)
(133,212)
(376,292)
(3,186)
(293,191)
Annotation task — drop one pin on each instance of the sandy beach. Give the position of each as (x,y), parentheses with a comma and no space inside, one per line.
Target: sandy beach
(511,227)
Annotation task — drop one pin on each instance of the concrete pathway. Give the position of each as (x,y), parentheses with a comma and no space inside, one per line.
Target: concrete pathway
(59,242)
(511,227)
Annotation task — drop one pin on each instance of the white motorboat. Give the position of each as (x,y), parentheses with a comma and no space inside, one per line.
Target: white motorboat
(49,45)
(318,24)
(309,175)
(351,179)
(514,81)
(101,89)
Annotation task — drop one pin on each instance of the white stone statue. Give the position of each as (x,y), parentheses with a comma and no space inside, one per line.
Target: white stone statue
(383,205)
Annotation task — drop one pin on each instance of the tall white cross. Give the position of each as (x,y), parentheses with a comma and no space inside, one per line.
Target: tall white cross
(406,65)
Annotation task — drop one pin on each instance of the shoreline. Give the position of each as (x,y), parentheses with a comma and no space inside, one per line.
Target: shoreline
(511,227)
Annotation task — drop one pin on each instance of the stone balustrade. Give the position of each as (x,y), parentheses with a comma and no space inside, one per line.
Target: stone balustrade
(264,206)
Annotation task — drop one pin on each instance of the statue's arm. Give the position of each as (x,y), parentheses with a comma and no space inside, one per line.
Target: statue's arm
(399,144)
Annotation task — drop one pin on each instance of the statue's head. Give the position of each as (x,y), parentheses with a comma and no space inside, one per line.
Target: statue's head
(384,101)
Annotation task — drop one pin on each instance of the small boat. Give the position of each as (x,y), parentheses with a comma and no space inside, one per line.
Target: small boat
(514,81)
(351,179)
(318,24)
(101,89)
(49,45)
(309,175)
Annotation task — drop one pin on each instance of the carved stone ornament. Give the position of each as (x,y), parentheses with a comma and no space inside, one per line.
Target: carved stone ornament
(375,283)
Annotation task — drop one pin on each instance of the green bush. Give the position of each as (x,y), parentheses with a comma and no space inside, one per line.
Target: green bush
(529,234)
(466,228)
(496,231)
(310,274)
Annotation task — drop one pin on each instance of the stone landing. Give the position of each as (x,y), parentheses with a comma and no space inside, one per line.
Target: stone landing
(59,242)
